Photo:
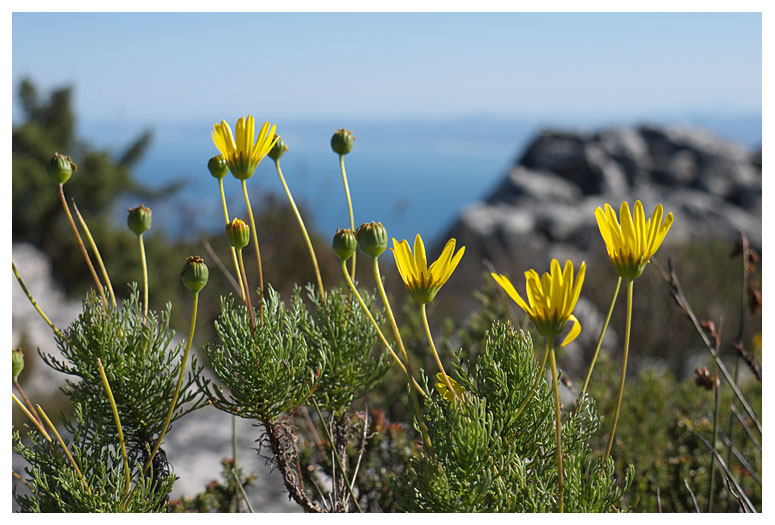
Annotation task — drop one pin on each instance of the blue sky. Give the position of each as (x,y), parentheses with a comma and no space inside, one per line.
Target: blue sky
(175,66)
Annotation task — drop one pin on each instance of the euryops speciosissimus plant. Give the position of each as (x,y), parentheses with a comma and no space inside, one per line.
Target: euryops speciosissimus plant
(491,435)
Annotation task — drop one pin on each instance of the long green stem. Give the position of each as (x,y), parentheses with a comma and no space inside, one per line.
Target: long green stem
(558,420)
(397,335)
(26,400)
(35,304)
(336,455)
(379,331)
(105,382)
(145,276)
(38,424)
(304,231)
(233,251)
(234,441)
(624,371)
(97,255)
(435,353)
(64,447)
(600,338)
(258,254)
(179,385)
(239,484)
(83,248)
(538,378)
(349,206)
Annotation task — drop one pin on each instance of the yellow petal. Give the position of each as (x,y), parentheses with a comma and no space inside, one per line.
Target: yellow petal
(267,142)
(403,261)
(616,231)
(439,267)
(408,259)
(605,231)
(453,263)
(574,331)
(260,138)
(239,134)
(577,286)
(639,220)
(223,139)
(535,294)
(663,229)
(628,229)
(653,231)
(546,288)
(419,256)
(250,132)
(509,288)
(556,290)
(567,285)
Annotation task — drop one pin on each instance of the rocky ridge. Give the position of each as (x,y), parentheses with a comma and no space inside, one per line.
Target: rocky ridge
(544,207)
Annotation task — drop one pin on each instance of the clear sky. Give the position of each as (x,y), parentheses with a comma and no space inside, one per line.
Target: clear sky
(176,66)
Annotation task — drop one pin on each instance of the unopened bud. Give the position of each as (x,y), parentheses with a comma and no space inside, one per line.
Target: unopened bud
(17,363)
(342,141)
(60,168)
(195,274)
(344,243)
(218,167)
(238,234)
(372,238)
(278,150)
(139,219)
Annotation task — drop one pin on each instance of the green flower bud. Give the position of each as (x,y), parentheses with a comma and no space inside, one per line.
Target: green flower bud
(278,150)
(342,141)
(17,363)
(238,234)
(372,238)
(60,168)
(344,243)
(195,274)
(218,167)
(139,219)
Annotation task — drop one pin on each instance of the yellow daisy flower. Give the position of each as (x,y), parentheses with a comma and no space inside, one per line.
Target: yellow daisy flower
(635,240)
(552,298)
(243,155)
(423,282)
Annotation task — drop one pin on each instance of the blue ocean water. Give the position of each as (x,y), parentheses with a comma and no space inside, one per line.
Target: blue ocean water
(413,176)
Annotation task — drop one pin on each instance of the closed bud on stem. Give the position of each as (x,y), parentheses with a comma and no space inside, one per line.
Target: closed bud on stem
(372,238)
(238,234)
(342,141)
(218,167)
(17,363)
(60,168)
(344,243)
(278,150)
(195,274)
(139,219)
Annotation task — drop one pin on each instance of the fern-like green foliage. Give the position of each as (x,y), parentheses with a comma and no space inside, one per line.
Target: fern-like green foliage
(488,460)
(141,363)
(341,332)
(55,486)
(273,372)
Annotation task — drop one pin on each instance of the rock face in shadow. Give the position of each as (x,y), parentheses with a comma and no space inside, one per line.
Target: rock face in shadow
(544,207)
